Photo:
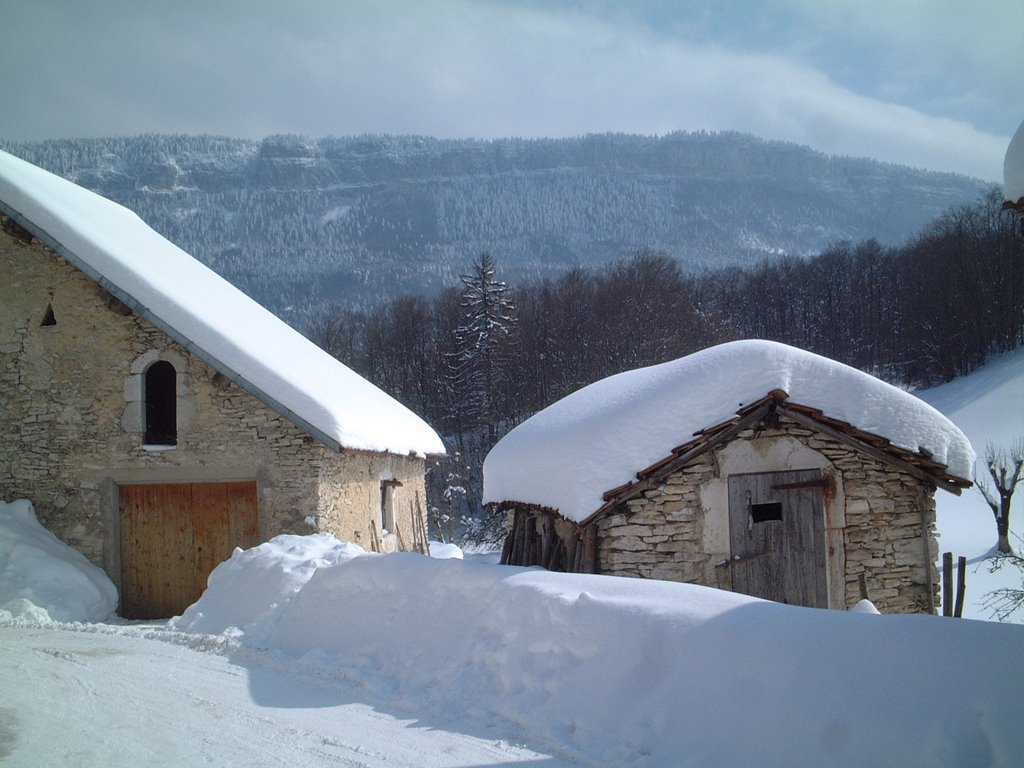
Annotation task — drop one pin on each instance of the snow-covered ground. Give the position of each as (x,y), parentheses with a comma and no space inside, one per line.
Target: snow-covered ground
(309,652)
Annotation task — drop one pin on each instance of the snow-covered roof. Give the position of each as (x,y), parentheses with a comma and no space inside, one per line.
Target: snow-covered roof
(1013,168)
(596,439)
(209,316)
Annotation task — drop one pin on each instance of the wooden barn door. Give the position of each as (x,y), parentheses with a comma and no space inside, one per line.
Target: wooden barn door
(173,535)
(777,536)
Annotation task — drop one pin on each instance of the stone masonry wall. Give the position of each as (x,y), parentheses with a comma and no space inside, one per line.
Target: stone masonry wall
(71,420)
(876,528)
(351,485)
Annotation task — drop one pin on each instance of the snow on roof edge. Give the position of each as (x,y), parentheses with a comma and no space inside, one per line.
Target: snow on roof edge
(325,398)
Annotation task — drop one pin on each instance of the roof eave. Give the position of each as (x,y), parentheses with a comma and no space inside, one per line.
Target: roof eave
(775,401)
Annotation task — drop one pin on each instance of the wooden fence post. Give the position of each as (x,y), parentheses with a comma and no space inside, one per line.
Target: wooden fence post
(947,583)
(961,586)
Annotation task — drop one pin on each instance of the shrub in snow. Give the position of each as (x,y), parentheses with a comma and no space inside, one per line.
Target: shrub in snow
(246,590)
(42,577)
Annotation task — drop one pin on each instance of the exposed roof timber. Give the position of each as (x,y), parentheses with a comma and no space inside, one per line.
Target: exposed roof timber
(651,477)
(942,480)
(918,465)
(166,328)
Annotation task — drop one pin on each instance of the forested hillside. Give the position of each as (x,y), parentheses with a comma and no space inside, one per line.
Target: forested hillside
(298,223)
(484,355)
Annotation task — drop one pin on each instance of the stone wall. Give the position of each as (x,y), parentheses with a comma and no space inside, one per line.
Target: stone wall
(877,519)
(351,485)
(71,421)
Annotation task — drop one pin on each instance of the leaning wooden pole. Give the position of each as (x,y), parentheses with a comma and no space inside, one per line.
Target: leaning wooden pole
(961,586)
(947,583)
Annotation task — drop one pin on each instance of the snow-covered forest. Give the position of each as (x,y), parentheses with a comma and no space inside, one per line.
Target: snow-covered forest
(916,315)
(298,223)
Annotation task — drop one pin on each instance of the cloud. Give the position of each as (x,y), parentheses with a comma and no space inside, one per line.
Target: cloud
(449,69)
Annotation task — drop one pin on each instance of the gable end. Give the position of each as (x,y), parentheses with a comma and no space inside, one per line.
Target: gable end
(129,303)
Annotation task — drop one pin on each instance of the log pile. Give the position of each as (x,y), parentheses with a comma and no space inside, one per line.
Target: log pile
(540,536)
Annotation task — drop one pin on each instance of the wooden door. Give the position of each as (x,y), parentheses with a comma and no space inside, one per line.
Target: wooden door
(777,536)
(173,535)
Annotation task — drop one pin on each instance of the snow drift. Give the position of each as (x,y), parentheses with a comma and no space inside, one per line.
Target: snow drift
(634,672)
(43,578)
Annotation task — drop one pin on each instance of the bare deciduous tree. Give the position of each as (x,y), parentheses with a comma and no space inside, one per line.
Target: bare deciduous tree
(1004,468)
(1006,601)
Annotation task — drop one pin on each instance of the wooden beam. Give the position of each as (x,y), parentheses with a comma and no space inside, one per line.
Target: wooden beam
(652,481)
(870,450)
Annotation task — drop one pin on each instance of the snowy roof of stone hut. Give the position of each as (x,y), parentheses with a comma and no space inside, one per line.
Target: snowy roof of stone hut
(567,456)
(209,316)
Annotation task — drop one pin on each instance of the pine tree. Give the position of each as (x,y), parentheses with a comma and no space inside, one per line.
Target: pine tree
(481,344)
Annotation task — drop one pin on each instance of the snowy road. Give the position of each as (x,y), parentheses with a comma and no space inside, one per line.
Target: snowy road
(121,697)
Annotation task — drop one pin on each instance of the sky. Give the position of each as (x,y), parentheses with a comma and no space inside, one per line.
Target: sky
(927,83)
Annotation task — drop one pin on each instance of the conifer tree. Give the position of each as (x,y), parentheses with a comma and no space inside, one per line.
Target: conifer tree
(482,340)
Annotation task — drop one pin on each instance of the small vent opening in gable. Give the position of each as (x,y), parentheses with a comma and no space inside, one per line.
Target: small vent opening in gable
(48,317)
(763,513)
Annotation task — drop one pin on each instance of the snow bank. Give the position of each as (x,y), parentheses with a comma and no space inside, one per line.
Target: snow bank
(445,551)
(41,577)
(246,590)
(192,303)
(566,456)
(633,672)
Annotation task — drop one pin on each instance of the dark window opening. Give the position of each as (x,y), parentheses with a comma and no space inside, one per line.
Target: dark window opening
(48,317)
(161,404)
(763,513)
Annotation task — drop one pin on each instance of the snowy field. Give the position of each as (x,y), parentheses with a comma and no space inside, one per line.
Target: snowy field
(987,405)
(308,652)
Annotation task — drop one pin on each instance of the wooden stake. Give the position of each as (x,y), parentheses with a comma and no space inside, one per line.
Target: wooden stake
(961,586)
(947,584)
(510,537)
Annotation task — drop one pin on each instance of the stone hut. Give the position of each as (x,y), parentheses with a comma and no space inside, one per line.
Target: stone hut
(751,466)
(158,418)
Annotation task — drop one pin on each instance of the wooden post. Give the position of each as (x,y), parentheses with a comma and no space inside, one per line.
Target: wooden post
(519,544)
(961,586)
(419,522)
(510,539)
(947,583)
(570,554)
(590,550)
(374,539)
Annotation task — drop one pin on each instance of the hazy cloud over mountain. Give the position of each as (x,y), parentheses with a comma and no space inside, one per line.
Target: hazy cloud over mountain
(930,83)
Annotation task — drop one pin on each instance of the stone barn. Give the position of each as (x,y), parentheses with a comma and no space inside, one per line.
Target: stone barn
(751,466)
(158,418)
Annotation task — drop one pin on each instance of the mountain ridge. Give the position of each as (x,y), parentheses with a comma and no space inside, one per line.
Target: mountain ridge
(298,222)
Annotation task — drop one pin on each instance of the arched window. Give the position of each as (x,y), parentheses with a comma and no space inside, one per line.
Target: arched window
(161,404)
